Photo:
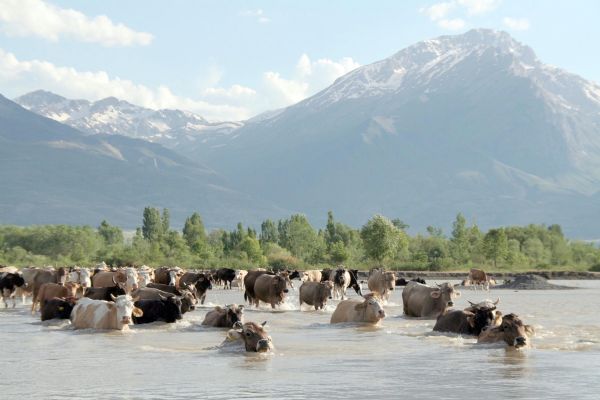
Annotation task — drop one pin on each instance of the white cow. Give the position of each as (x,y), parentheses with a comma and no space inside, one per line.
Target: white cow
(100,314)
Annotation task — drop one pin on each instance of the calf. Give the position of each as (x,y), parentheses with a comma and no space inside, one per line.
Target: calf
(224,317)
(167,309)
(315,293)
(382,283)
(57,308)
(9,282)
(251,336)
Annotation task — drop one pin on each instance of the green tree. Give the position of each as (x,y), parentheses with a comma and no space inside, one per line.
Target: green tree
(166,220)
(299,237)
(112,235)
(459,242)
(495,245)
(381,238)
(152,225)
(268,232)
(338,253)
(251,247)
(398,223)
(194,233)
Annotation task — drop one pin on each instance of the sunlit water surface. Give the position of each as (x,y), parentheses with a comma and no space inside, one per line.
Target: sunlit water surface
(401,358)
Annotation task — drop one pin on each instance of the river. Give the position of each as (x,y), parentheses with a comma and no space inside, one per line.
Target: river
(401,358)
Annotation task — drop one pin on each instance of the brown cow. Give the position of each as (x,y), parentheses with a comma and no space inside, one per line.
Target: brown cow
(249,281)
(168,275)
(315,293)
(47,276)
(252,336)
(368,311)
(512,331)
(224,317)
(48,291)
(427,302)
(270,289)
(382,283)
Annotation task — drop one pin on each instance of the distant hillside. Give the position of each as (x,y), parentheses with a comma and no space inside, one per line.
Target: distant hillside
(472,123)
(52,173)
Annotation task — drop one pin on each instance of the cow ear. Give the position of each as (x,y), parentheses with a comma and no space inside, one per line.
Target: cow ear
(218,308)
(241,308)
(233,335)
(137,312)
(530,330)
(238,326)
(435,294)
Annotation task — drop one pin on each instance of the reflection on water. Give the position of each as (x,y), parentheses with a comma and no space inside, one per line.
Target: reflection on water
(400,358)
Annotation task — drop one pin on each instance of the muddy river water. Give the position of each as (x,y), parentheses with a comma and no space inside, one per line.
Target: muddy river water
(401,358)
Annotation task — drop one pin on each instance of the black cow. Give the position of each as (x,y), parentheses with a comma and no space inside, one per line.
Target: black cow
(58,308)
(466,322)
(295,274)
(8,283)
(225,276)
(354,281)
(164,288)
(104,293)
(404,282)
(197,283)
(325,274)
(167,309)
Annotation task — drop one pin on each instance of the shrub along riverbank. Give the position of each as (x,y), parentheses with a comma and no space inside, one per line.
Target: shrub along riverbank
(294,243)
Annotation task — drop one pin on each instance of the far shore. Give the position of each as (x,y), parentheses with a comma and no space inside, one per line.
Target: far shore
(460,275)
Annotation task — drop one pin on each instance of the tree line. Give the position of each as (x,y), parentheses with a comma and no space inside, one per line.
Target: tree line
(294,243)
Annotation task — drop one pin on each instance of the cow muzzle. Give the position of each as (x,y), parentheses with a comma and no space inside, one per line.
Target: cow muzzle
(263,346)
(285,291)
(126,320)
(520,341)
(381,314)
(450,304)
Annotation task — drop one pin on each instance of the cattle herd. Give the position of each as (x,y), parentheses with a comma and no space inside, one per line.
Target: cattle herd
(113,298)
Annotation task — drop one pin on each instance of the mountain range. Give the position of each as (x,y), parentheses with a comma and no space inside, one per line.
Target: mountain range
(472,123)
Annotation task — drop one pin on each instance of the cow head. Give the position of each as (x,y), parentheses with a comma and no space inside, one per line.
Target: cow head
(125,308)
(279,286)
(445,293)
(286,276)
(188,301)
(294,274)
(72,288)
(144,277)
(255,337)
(371,309)
(512,331)
(325,289)
(173,305)
(339,277)
(389,279)
(203,282)
(235,314)
(61,275)
(172,277)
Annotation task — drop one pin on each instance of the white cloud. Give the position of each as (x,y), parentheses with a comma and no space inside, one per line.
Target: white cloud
(308,78)
(479,7)
(451,24)
(39,18)
(94,85)
(438,11)
(516,24)
(235,102)
(259,14)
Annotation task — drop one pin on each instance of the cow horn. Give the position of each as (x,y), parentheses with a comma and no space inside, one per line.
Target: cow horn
(471,303)
(115,282)
(264,323)
(497,301)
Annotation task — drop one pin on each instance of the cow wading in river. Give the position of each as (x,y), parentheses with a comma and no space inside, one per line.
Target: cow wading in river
(426,301)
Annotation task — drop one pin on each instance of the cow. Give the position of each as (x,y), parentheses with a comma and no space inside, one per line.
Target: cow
(224,276)
(51,290)
(240,274)
(251,336)
(100,314)
(382,283)
(201,283)
(512,331)
(167,288)
(167,275)
(47,276)
(57,308)
(270,289)
(80,276)
(470,321)
(145,276)
(187,298)
(110,278)
(167,309)
(354,284)
(224,317)
(315,293)
(325,274)
(312,275)
(295,274)
(427,302)
(369,311)
(28,274)
(478,277)
(249,281)
(341,280)
(104,293)
(8,270)
(404,282)
(9,282)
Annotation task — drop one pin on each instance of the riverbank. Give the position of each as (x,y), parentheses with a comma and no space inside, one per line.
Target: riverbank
(498,275)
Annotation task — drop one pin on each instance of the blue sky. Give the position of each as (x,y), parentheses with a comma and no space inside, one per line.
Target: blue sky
(234,59)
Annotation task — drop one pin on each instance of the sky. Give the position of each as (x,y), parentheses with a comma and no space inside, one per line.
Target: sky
(231,60)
